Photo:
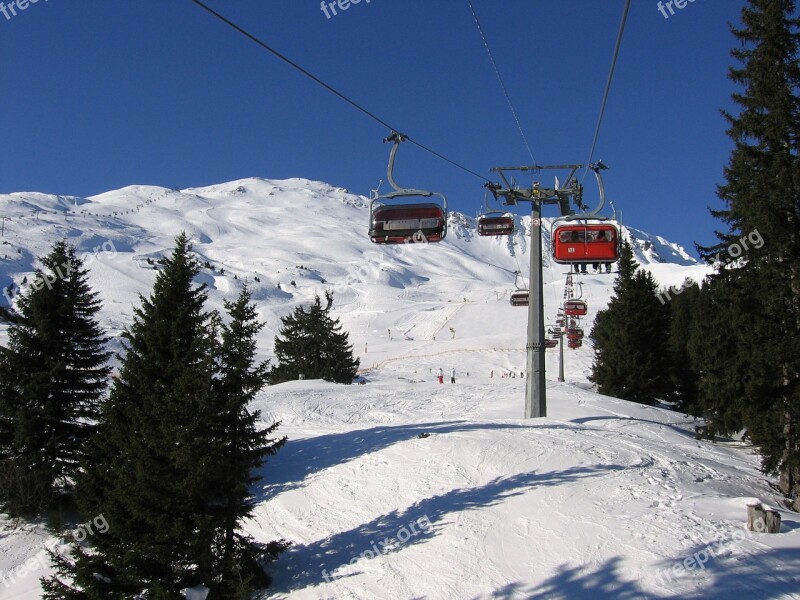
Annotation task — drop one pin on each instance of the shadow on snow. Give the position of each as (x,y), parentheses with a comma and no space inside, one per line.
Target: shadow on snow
(299,459)
(307,564)
(757,576)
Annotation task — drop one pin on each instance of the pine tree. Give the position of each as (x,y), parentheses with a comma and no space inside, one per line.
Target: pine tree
(171,465)
(714,340)
(53,378)
(313,345)
(755,295)
(630,359)
(141,471)
(243,448)
(683,375)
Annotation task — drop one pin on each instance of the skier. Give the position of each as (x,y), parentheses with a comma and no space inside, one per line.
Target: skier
(453,375)
(440,375)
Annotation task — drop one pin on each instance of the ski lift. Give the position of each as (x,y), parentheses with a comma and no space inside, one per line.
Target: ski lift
(585,243)
(574,344)
(550,343)
(406,222)
(592,241)
(574,333)
(575,308)
(519,298)
(495,224)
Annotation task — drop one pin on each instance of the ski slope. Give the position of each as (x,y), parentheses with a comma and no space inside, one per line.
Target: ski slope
(404,488)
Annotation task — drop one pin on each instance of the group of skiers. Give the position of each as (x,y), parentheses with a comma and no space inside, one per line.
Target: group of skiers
(440,375)
(505,374)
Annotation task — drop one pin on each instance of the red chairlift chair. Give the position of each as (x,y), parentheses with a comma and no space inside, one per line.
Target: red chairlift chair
(585,243)
(574,333)
(575,308)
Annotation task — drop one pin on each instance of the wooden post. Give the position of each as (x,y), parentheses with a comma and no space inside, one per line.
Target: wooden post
(763,519)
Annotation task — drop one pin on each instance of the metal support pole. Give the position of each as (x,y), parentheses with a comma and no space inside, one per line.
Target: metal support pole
(561,352)
(535,389)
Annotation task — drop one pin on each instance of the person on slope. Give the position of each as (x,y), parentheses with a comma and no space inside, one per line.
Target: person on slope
(453,375)
(440,375)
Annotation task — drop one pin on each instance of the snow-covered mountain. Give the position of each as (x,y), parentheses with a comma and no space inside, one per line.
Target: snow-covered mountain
(269,234)
(601,499)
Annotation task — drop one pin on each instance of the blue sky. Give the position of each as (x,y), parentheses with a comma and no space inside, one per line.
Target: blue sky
(99,95)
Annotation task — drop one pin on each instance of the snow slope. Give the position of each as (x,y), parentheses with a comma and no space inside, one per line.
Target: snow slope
(404,488)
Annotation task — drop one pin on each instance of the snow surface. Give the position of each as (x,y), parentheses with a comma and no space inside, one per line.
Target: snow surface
(404,488)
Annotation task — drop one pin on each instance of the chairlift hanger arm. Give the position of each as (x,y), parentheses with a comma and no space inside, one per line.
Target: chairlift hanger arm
(397,138)
(594,214)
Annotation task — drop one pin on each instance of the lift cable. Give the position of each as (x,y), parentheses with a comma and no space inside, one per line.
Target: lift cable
(328,87)
(500,79)
(608,81)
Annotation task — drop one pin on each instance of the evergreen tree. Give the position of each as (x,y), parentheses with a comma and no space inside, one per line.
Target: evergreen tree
(53,377)
(631,361)
(243,448)
(157,470)
(752,380)
(683,376)
(313,344)
(714,340)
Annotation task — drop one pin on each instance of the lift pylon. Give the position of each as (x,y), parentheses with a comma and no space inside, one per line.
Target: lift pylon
(571,191)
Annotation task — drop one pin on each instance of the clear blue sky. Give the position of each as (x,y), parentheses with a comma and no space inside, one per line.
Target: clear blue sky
(99,95)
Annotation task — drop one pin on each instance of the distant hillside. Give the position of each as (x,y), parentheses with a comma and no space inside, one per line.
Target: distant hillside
(288,240)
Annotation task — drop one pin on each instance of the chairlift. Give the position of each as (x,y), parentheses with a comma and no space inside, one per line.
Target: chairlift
(574,344)
(550,343)
(586,237)
(575,308)
(495,224)
(405,222)
(520,298)
(585,243)
(574,333)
